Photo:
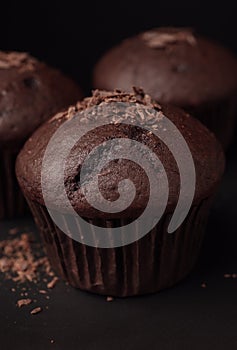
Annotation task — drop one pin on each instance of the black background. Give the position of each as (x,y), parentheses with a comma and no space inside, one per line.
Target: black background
(72,36)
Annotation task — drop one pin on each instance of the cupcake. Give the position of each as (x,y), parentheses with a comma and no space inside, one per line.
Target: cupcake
(30,92)
(138,254)
(176,66)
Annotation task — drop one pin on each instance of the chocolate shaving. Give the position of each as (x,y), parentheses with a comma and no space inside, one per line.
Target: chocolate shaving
(13,231)
(18,262)
(22,260)
(23,302)
(42,291)
(101,96)
(36,311)
(230,275)
(16,60)
(160,38)
(52,283)
(109,299)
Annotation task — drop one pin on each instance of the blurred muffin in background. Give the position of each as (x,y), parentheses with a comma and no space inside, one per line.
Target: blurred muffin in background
(30,92)
(176,66)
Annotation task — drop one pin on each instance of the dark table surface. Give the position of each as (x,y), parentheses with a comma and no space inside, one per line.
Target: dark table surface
(186,316)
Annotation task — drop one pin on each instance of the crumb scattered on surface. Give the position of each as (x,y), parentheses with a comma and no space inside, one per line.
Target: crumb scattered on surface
(42,291)
(52,283)
(52,341)
(13,231)
(36,311)
(23,302)
(204,285)
(109,299)
(230,275)
(22,261)
(19,263)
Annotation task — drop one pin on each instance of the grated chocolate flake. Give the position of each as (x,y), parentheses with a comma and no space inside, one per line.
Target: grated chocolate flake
(20,60)
(13,231)
(20,260)
(36,311)
(52,283)
(42,291)
(109,299)
(160,38)
(23,302)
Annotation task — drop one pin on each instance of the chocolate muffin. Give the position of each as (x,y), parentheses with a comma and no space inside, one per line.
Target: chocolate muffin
(133,262)
(176,66)
(30,92)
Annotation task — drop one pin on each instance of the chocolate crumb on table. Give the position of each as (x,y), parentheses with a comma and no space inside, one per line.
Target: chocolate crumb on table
(230,275)
(23,262)
(42,291)
(23,302)
(36,311)
(52,283)
(20,260)
(109,298)
(13,231)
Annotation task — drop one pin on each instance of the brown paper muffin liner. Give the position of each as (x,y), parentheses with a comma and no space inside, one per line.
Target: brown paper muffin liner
(12,202)
(156,261)
(220,118)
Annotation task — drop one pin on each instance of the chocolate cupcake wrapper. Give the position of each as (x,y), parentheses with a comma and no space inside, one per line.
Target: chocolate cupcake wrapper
(156,261)
(12,202)
(220,118)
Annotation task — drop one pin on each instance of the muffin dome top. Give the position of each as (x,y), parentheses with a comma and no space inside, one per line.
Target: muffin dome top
(206,152)
(30,92)
(173,65)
